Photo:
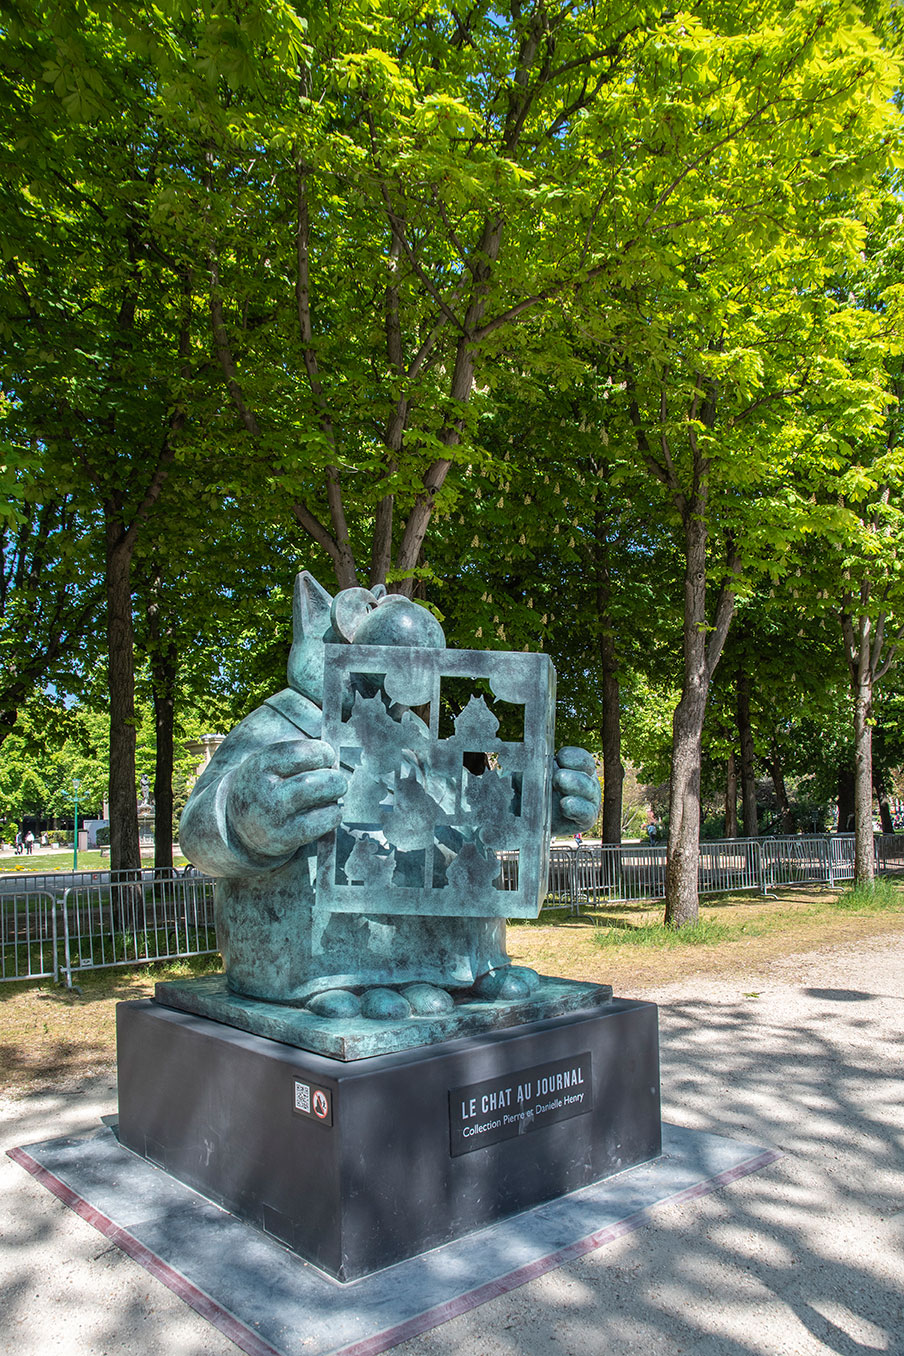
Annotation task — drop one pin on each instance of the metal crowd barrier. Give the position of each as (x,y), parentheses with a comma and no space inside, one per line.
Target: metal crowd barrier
(632,873)
(129,920)
(29,944)
(890,851)
(57,924)
(96,919)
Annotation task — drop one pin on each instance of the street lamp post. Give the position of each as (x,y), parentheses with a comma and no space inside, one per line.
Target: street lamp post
(75,785)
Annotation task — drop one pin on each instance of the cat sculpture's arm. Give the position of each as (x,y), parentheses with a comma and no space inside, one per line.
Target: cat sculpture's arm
(267,792)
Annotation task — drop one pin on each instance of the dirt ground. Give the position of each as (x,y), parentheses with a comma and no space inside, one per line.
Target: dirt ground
(793,923)
(799,1052)
(51,1038)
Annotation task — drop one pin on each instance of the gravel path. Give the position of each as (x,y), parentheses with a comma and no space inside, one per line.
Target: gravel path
(803,1258)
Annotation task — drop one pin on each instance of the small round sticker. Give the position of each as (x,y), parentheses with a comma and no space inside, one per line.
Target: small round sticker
(319,1105)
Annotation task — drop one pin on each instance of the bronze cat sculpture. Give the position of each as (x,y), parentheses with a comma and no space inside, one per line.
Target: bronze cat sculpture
(364,877)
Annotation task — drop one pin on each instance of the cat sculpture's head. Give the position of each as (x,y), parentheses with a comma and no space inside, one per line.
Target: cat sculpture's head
(355,616)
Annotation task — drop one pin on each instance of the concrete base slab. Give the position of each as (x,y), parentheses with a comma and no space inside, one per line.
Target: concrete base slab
(271,1303)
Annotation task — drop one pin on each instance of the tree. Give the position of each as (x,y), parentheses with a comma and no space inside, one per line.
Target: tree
(715,417)
(100,311)
(205,579)
(712,310)
(872,628)
(382,223)
(853,476)
(549,549)
(51,747)
(50,593)
(872,598)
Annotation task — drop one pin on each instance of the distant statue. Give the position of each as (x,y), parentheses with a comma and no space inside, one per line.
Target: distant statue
(371,835)
(145,789)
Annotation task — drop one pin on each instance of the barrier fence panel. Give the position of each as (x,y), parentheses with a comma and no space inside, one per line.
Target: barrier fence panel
(730,865)
(793,862)
(641,871)
(509,863)
(53,881)
(890,851)
(132,917)
(28,935)
(842,857)
(60,923)
(811,859)
(635,872)
(560,886)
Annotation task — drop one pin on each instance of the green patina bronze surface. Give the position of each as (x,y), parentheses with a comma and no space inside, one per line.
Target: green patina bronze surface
(420,831)
(374,824)
(359,1037)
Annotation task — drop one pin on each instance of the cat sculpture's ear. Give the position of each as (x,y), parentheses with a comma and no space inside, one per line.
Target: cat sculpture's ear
(349,609)
(311,627)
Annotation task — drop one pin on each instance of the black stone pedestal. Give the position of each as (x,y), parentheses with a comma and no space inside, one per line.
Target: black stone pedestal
(359,1165)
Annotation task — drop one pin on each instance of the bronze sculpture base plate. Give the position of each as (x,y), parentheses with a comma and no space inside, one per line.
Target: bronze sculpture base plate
(350,1038)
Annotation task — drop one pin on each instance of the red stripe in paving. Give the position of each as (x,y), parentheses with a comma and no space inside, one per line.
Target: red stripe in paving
(441,1313)
(249,1341)
(202,1303)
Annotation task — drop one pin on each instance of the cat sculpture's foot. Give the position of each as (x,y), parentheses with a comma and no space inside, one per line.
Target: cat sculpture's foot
(380,1004)
(335,1003)
(508,983)
(383,1005)
(427,1000)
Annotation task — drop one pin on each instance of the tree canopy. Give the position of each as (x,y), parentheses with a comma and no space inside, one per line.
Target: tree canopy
(580,322)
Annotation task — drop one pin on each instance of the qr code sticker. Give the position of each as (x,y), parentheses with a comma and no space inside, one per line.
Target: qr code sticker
(303,1097)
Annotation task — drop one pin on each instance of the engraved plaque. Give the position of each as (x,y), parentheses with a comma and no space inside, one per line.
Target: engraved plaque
(517,1103)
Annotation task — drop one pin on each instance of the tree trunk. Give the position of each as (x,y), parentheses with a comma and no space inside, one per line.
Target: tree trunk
(845,797)
(163,658)
(731,798)
(610,729)
(748,774)
(125,852)
(164,666)
(865,857)
(885,817)
(776,772)
(613,767)
(598,568)
(682,904)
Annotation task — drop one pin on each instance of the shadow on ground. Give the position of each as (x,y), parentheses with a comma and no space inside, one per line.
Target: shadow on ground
(801,1258)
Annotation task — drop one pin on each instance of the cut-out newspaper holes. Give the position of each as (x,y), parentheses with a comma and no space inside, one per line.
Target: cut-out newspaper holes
(421,829)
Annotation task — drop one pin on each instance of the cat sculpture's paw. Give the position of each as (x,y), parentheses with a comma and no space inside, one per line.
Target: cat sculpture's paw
(383,1004)
(509,982)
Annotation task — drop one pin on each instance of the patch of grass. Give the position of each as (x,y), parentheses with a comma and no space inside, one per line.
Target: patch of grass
(882,895)
(89,860)
(53,1037)
(705,932)
(793,924)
